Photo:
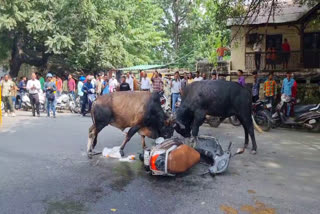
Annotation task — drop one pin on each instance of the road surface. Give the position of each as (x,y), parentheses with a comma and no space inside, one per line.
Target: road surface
(44,169)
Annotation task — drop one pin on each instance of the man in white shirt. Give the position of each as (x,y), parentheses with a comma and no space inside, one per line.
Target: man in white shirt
(175,86)
(198,77)
(145,83)
(257,48)
(34,88)
(113,83)
(129,80)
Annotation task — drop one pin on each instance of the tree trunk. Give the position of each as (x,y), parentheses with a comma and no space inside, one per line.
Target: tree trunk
(20,54)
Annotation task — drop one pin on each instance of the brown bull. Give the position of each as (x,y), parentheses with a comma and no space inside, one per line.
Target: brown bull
(139,111)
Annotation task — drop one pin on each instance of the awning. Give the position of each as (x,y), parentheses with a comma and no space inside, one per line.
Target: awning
(141,67)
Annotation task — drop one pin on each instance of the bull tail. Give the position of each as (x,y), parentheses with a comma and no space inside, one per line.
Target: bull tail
(92,112)
(256,126)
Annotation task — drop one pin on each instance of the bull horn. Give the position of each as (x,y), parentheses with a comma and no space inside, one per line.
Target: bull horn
(181,125)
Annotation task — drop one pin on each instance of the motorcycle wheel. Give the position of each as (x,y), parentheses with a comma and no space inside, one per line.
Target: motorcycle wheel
(234,121)
(262,120)
(316,127)
(213,121)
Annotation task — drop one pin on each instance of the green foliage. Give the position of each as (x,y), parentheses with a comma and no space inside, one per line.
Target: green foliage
(90,34)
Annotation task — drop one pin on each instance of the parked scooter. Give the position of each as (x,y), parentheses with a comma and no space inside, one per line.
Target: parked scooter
(26,104)
(307,116)
(66,102)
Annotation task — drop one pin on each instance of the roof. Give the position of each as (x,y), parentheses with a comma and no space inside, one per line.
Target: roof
(284,13)
(141,67)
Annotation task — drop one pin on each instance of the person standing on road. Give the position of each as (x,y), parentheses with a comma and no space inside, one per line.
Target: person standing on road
(190,79)
(7,87)
(255,87)
(71,86)
(105,86)
(79,89)
(65,86)
(214,76)
(286,89)
(184,81)
(113,83)
(42,81)
(59,86)
(270,89)
(34,87)
(157,83)
(145,83)
(124,86)
(22,89)
(198,77)
(129,80)
(175,86)
(50,88)
(241,79)
(86,90)
(99,85)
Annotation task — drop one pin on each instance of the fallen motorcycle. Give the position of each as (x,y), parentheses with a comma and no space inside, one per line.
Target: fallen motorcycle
(172,156)
(307,116)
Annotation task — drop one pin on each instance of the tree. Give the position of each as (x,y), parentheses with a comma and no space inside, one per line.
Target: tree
(89,35)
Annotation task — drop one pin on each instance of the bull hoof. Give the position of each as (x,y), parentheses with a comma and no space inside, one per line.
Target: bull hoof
(89,154)
(253,152)
(121,152)
(246,145)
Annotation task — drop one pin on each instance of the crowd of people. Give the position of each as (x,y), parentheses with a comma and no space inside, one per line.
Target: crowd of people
(288,89)
(53,86)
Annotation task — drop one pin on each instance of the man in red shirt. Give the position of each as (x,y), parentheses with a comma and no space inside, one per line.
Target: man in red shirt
(71,85)
(59,86)
(285,53)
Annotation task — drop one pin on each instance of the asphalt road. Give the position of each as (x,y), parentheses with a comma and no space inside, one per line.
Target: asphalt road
(44,169)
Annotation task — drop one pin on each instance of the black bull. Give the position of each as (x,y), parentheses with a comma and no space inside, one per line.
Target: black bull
(216,98)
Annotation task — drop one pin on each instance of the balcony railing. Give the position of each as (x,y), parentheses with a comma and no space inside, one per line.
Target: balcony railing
(274,60)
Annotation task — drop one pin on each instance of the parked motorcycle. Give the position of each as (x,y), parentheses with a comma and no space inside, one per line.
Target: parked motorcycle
(26,104)
(307,116)
(261,112)
(66,102)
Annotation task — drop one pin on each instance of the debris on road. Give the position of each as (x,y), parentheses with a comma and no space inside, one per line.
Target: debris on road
(115,153)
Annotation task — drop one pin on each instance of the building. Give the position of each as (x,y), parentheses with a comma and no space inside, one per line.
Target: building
(299,24)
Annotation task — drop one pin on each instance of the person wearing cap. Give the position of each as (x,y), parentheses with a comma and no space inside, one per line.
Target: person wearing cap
(255,87)
(50,88)
(113,83)
(79,88)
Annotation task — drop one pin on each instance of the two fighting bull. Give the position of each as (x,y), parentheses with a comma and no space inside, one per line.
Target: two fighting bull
(142,112)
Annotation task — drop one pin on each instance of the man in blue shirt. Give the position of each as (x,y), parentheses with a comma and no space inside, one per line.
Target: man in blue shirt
(287,89)
(50,88)
(255,87)
(86,89)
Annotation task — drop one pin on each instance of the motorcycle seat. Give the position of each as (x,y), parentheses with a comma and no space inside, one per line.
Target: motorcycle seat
(298,109)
